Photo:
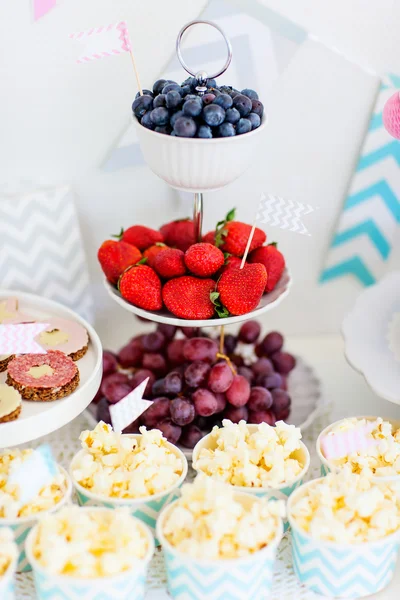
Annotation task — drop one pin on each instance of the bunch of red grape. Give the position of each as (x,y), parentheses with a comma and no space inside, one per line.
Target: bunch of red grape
(191,387)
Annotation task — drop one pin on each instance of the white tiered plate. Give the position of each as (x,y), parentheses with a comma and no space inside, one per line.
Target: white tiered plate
(366,331)
(268,302)
(40,418)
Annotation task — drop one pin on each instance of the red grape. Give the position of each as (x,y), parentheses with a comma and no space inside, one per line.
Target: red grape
(190,436)
(262,416)
(196,373)
(182,411)
(259,350)
(285,382)
(283,415)
(220,377)
(154,362)
(237,360)
(173,383)
(130,355)
(260,399)
(153,342)
(98,396)
(157,412)
(230,343)
(169,430)
(283,362)
(236,414)
(103,411)
(246,372)
(140,376)
(191,332)
(115,391)
(239,391)
(263,366)
(249,332)
(200,349)
(110,364)
(167,330)
(221,401)
(281,401)
(205,402)
(175,352)
(272,342)
(157,389)
(270,381)
(132,428)
(114,378)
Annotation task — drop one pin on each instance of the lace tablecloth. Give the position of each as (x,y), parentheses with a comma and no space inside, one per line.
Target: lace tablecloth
(65,444)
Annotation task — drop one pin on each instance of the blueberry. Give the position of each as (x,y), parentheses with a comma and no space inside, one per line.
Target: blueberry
(186,89)
(254,120)
(166,129)
(243,104)
(224,100)
(214,91)
(208,98)
(211,83)
(225,89)
(232,115)
(176,116)
(159,100)
(141,105)
(172,86)
(213,115)
(185,127)
(192,108)
(158,86)
(226,130)
(257,107)
(146,120)
(145,93)
(160,116)
(173,99)
(192,97)
(204,131)
(244,126)
(191,81)
(250,94)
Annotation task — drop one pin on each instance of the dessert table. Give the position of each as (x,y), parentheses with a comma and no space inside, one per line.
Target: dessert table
(345,393)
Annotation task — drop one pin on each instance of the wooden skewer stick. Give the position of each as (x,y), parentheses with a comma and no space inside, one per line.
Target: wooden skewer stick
(248,244)
(222,339)
(136,71)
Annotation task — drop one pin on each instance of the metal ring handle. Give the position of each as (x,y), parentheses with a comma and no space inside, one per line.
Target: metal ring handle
(179,53)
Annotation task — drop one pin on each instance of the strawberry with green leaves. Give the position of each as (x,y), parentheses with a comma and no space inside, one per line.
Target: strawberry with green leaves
(273,261)
(204,259)
(189,297)
(114,257)
(179,234)
(151,252)
(232,236)
(170,263)
(140,236)
(240,290)
(141,286)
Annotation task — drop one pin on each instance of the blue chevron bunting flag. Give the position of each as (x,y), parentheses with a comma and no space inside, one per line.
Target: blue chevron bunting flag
(371,214)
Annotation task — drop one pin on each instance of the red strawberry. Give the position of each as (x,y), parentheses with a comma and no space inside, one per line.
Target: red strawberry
(189,297)
(232,262)
(179,234)
(170,263)
(240,290)
(209,238)
(273,261)
(115,257)
(141,286)
(204,259)
(140,236)
(152,252)
(235,240)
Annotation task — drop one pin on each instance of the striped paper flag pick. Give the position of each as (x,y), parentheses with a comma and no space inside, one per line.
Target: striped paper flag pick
(101,42)
(344,443)
(285,214)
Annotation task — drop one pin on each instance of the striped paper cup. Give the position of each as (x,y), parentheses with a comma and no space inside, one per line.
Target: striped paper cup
(341,570)
(145,509)
(328,466)
(129,585)
(21,526)
(281,492)
(7,582)
(233,579)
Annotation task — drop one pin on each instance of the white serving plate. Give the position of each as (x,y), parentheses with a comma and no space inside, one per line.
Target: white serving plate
(268,302)
(40,418)
(366,335)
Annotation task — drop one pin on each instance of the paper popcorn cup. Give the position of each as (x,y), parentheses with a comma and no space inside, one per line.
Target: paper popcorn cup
(7,582)
(341,570)
(328,466)
(236,578)
(145,509)
(21,526)
(281,492)
(129,585)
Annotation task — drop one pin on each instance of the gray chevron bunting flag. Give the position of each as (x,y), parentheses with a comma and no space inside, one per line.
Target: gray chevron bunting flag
(285,214)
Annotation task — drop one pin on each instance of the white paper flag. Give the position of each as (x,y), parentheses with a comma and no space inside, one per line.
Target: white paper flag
(285,214)
(129,408)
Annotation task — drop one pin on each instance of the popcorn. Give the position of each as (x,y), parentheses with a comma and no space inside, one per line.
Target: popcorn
(380,459)
(265,458)
(8,550)
(10,505)
(347,508)
(209,522)
(119,466)
(89,543)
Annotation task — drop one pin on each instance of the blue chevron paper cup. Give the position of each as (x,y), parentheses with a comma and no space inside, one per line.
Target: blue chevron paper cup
(7,583)
(22,526)
(327,466)
(129,585)
(145,509)
(342,570)
(234,579)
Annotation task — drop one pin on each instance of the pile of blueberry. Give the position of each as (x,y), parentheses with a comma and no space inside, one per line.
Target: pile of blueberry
(179,110)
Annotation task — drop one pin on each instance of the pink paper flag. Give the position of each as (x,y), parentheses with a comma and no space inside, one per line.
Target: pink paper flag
(338,445)
(42,7)
(109,40)
(129,408)
(19,339)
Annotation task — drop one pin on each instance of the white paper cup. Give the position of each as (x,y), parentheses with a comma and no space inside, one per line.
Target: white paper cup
(341,570)
(281,492)
(7,582)
(145,509)
(329,466)
(129,585)
(21,526)
(233,579)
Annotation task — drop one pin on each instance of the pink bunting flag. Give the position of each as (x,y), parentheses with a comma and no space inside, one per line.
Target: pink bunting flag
(101,42)
(19,339)
(42,7)
(338,445)
(129,408)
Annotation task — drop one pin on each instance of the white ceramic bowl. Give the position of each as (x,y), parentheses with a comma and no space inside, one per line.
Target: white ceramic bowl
(198,165)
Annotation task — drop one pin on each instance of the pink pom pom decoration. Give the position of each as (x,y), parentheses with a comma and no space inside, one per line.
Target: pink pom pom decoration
(391,115)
